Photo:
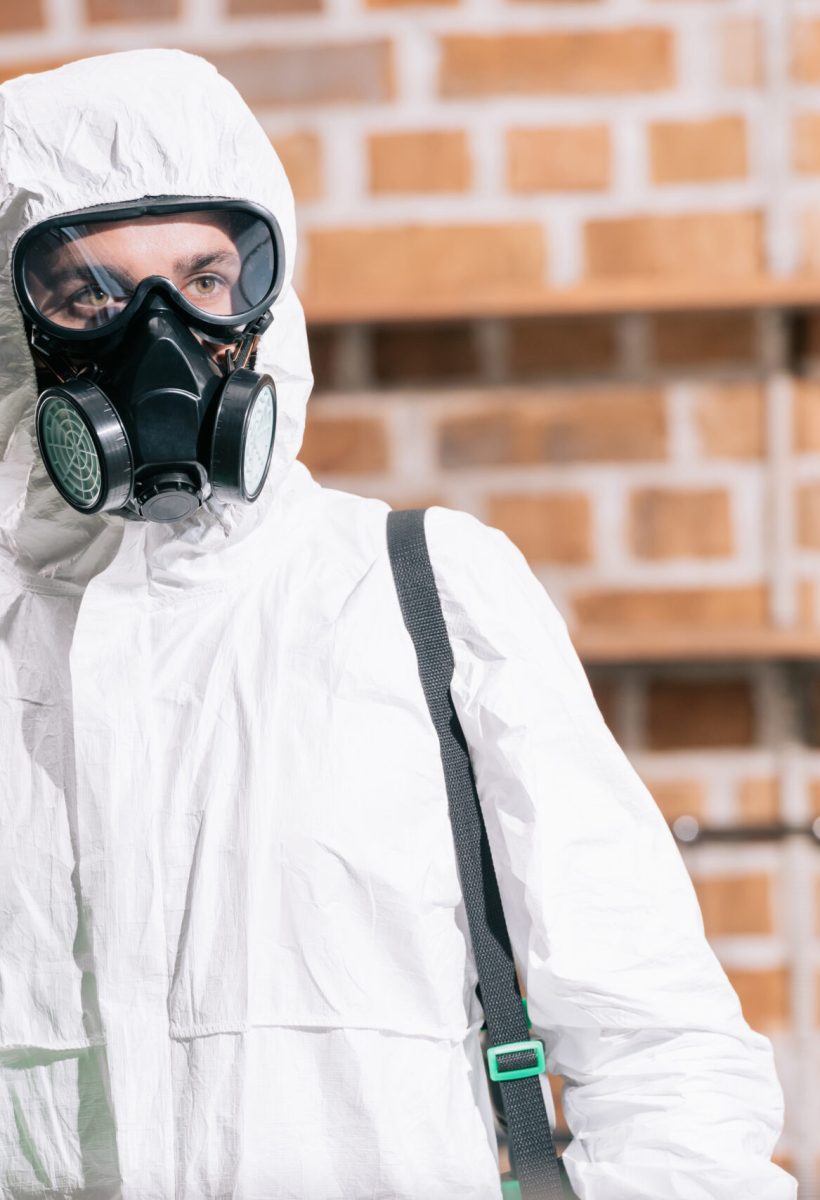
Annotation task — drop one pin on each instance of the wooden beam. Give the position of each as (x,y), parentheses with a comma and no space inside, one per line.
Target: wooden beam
(647,295)
(613,645)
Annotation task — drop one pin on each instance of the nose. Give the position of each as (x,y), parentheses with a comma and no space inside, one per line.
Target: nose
(217,352)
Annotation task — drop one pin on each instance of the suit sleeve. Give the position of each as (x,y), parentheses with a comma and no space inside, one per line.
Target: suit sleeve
(669,1093)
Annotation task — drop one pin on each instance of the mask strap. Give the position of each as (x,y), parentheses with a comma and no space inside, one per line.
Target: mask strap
(249,341)
(49,357)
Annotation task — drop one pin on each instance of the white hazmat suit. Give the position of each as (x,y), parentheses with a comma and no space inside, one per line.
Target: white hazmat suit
(233,951)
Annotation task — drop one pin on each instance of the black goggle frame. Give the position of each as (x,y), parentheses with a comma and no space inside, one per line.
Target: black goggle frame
(219,326)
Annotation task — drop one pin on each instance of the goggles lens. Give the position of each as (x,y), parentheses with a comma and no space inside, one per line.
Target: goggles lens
(81,276)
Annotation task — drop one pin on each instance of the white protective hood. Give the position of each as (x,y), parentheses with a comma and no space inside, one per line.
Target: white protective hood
(234,962)
(119,127)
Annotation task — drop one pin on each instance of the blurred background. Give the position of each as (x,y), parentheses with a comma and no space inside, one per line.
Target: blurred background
(561,266)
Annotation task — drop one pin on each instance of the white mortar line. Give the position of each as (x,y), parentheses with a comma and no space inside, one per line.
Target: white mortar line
(199,15)
(807,467)
(492,346)
(62,18)
(630,172)
(631,710)
(610,522)
(775,132)
(683,441)
(799,859)
(780,499)
(634,347)
(412,448)
(565,254)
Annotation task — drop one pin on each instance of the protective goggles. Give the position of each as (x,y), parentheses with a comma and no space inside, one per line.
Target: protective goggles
(81,275)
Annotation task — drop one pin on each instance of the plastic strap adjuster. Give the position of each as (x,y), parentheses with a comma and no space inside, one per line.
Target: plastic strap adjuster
(502,1075)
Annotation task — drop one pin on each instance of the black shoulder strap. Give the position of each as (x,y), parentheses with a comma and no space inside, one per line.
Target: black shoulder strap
(532,1152)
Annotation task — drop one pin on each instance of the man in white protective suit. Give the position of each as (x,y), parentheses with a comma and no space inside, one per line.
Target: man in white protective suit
(233,954)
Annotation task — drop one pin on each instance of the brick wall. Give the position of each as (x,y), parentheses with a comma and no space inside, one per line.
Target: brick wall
(629,458)
(661,470)
(514,144)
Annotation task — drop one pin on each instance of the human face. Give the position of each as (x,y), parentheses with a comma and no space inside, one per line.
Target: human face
(84,283)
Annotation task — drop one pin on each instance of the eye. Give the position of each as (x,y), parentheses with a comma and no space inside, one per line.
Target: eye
(206,285)
(92,297)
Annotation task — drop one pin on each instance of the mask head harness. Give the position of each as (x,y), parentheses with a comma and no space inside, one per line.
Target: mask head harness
(143,320)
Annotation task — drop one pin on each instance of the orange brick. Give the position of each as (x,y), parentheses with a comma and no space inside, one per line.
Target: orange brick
(682,714)
(429,161)
(310,73)
(808,611)
(607,424)
(807,416)
(548,528)
(785,1161)
(698,151)
(670,522)
(16,17)
(301,156)
(805,63)
(12,70)
(344,444)
(677,797)
(741,52)
(424,353)
(731,420)
(403,262)
(808,242)
(733,905)
(661,608)
(808,516)
(758,801)
(687,245)
(702,339)
(582,62)
(764,997)
(415,500)
(806,143)
(559,159)
(561,345)
(814,798)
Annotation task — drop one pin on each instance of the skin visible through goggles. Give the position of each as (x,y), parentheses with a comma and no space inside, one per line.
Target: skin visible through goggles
(84,282)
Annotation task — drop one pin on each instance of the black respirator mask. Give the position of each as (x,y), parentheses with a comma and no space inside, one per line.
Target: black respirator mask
(143,320)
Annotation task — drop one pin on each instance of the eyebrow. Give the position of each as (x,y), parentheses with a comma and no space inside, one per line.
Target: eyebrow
(95,274)
(100,272)
(198,262)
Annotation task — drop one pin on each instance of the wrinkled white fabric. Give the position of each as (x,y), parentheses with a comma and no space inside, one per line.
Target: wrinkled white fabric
(233,955)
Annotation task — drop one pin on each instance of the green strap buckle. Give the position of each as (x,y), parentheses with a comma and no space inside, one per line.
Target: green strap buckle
(499,1073)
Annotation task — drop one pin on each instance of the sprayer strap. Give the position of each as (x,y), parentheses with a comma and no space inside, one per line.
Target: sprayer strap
(517,1058)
